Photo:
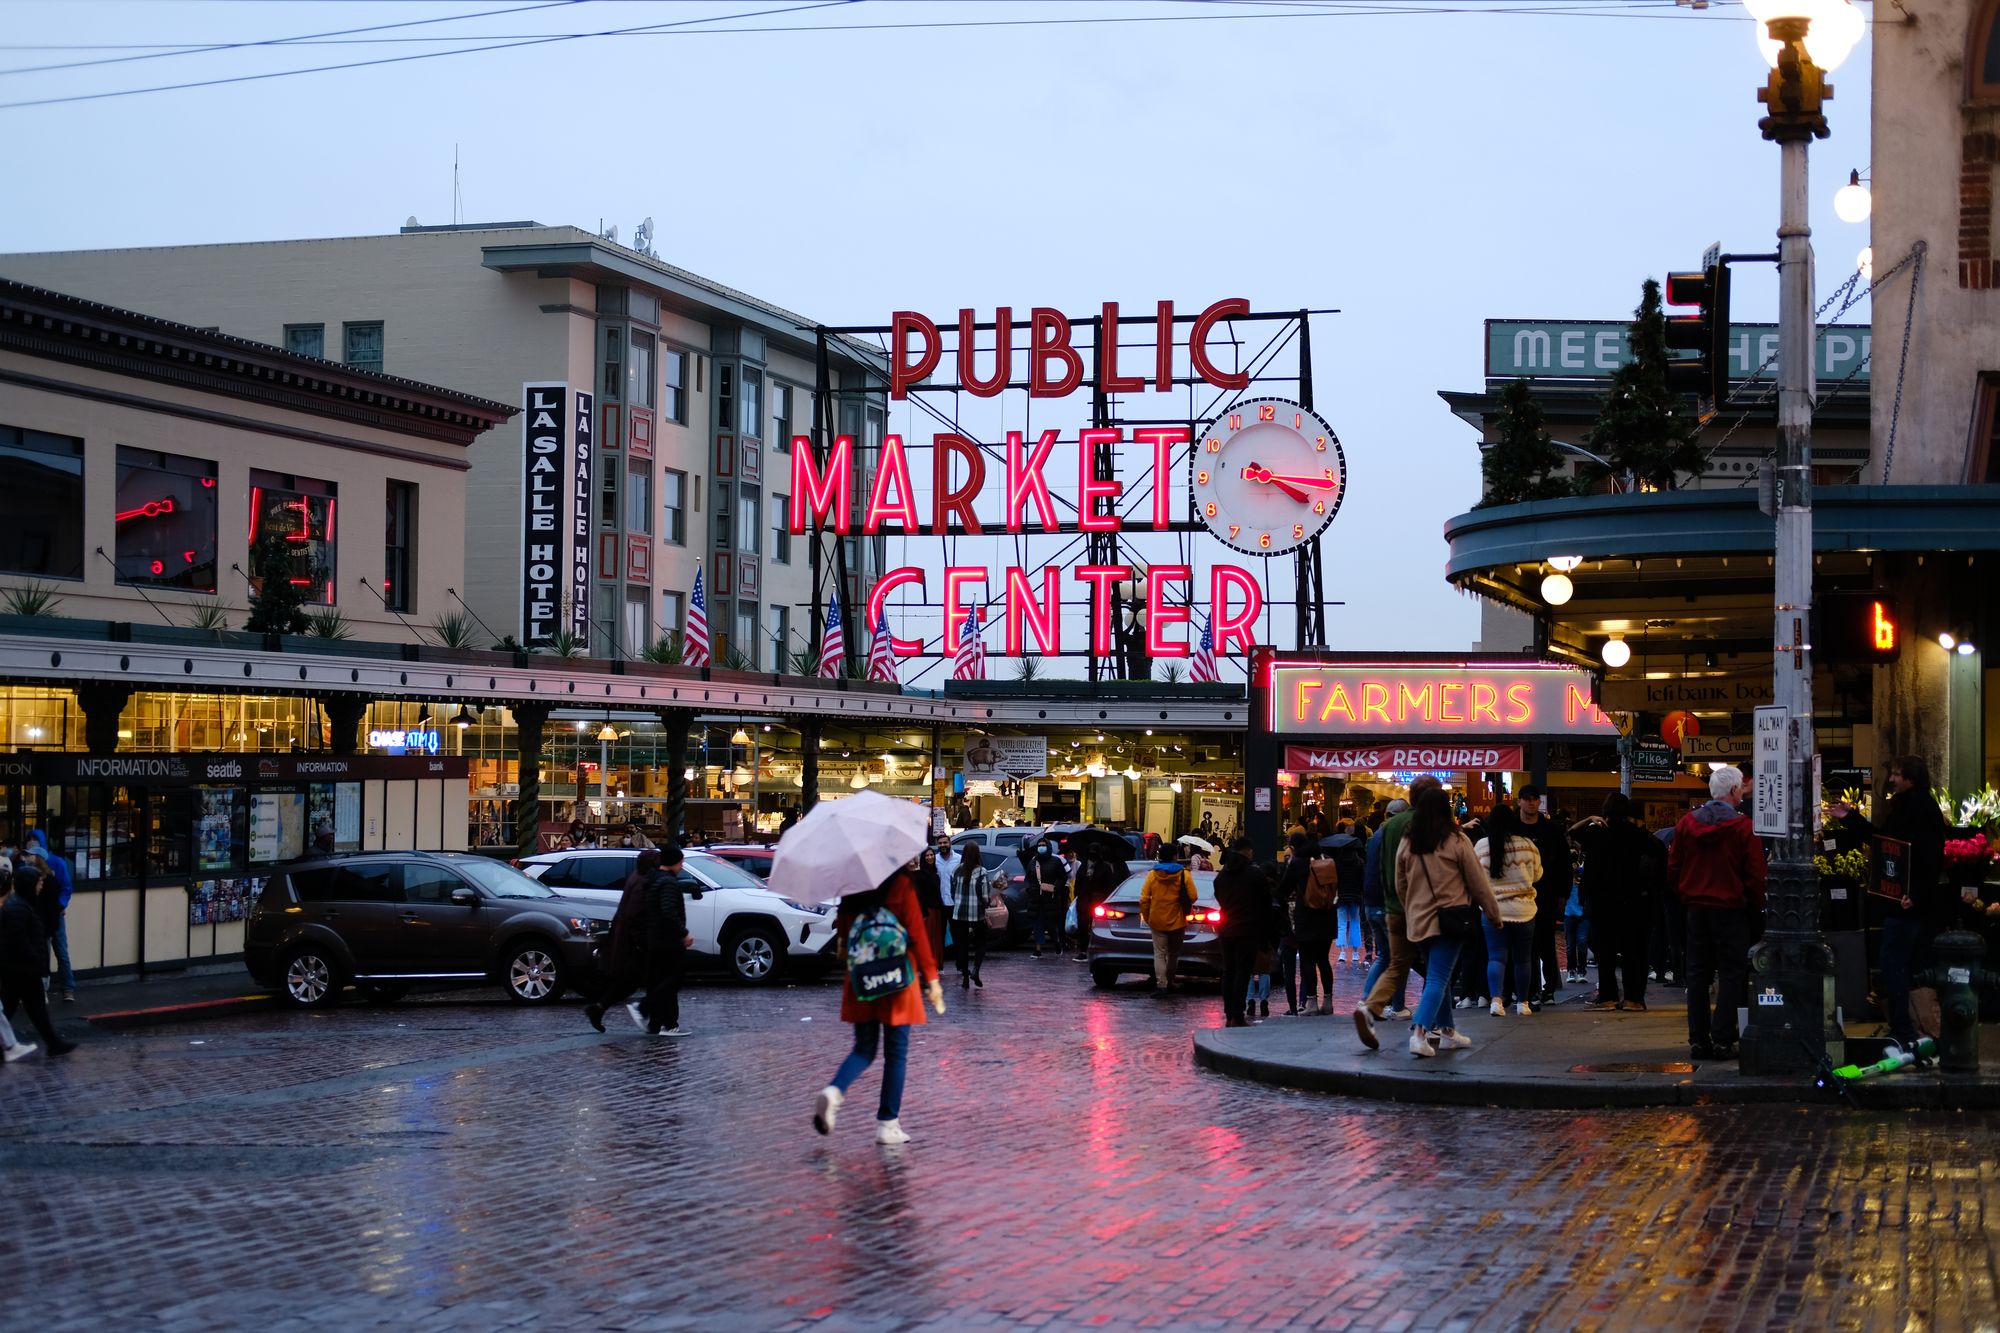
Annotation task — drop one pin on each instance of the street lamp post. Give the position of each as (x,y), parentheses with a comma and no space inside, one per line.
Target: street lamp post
(1791,968)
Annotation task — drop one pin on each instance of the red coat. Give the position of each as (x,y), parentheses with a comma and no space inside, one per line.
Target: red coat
(906,1007)
(1716,860)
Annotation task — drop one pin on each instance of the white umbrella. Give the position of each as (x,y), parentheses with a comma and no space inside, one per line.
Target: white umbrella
(1203,843)
(848,846)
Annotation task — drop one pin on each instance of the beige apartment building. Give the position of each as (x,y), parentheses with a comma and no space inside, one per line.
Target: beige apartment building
(693,390)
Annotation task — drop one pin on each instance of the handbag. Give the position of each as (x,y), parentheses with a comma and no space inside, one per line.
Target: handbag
(996,913)
(1454,923)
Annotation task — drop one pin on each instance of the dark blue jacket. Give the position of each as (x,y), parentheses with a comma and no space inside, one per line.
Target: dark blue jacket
(58,866)
(1371,874)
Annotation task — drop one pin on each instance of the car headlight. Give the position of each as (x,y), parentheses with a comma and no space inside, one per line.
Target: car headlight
(811,909)
(583,925)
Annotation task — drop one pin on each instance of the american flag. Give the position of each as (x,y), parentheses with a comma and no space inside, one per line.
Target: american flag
(833,644)
(970,664)
(694,644)
(1203,666)
(881,657)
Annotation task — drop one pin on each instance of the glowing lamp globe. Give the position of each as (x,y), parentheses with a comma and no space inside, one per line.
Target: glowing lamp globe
(1864,263)
(1836,27)
(1617,652)
(1852,202)
(1557,589)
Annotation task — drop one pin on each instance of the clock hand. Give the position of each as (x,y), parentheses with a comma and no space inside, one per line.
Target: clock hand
(1321,483)
(1255,472)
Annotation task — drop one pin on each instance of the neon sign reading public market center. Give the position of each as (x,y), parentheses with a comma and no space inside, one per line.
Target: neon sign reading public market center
(1053,367)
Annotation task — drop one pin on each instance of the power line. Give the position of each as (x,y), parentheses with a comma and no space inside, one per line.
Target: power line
(421,55)
(192,50)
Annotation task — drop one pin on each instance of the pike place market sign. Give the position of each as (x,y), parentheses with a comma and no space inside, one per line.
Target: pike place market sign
(1457,702)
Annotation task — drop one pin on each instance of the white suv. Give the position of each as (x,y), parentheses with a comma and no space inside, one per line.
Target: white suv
(732,916)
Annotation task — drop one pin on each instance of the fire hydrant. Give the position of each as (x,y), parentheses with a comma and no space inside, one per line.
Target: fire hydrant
(1958,978)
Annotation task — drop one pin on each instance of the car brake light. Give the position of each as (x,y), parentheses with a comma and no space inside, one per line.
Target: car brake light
(1104,913)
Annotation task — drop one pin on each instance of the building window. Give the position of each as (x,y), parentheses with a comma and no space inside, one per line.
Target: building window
(43,532)
(1982,55)
(753,403)
(746,633)
(399,545)
(781,417)
(673,498)
(672,607)
(165,520)
(608,468)
(781,637)
(639,500)
(750,523)
(725,395)
(614,362)
(638,626)
(306,339)
(674,409)
(1985,462)
(292,534)
(361,344)
(781,533)
(639,374)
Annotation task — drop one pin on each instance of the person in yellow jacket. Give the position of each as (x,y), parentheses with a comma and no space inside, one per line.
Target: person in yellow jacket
(1164,902)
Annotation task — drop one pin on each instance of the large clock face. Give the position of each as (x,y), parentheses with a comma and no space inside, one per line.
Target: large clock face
(1267,476)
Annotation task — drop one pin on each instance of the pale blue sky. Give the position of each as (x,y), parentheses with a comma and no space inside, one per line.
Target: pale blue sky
(1420,171)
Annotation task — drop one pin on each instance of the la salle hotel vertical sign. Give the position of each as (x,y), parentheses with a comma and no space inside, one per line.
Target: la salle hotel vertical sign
(556,446)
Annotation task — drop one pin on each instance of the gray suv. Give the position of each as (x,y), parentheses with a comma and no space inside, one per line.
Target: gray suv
(383,920)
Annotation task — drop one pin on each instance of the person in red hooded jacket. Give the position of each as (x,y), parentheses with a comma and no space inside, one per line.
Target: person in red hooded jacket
(1716,866)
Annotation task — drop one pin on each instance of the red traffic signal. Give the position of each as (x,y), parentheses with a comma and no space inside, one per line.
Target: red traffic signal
(1856,627)
(1705,333)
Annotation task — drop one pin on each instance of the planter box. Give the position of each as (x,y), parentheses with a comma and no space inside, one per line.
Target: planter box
(56,627)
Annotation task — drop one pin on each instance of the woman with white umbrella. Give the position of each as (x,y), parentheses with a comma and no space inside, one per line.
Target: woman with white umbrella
(860,851)
(1202,852)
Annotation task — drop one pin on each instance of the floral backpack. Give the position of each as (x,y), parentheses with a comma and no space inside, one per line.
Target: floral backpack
(878,956)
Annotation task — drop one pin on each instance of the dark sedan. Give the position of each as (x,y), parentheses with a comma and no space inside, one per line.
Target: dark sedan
(1120,942)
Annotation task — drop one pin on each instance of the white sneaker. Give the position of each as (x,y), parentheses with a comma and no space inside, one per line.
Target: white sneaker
(638,1019)
(1451,1039)
(1420,1045)
(890,1131)
(826,1108)
(674,1032)
(1499,1010)
(19,1049)
(1400,1015)
(1522,1008)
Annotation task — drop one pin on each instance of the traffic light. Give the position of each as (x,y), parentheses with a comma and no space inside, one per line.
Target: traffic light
(1704,333)
(1856,627)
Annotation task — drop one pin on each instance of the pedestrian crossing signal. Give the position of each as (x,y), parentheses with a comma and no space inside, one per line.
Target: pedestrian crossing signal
(1856,628)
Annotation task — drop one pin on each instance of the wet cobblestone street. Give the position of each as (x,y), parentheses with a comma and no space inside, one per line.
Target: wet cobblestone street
(456,1162)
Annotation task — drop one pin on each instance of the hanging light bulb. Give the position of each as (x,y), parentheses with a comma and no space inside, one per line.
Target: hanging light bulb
(464,718)
(858,781)
(1563,564)
(607,732)
(1864,263)
(1617,652)
(1851,202)
(1176,787)
(740,737)
(1557,589)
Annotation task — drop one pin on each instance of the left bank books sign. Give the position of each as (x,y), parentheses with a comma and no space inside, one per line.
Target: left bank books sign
(555,549)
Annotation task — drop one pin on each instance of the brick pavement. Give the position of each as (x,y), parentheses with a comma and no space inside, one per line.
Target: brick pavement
(460,1163)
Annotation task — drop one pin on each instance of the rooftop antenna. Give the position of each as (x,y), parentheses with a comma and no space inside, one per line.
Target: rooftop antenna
(457,199)
(642,239)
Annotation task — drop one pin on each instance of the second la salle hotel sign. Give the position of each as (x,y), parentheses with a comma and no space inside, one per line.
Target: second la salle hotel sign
(1469,701)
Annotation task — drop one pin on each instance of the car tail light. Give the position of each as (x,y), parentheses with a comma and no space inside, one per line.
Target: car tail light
(1103,913)
(1210,918)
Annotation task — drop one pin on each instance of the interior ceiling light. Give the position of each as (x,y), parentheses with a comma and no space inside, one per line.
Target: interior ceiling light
(1617,652)
(740,737)
(1557,589)
(1563,564)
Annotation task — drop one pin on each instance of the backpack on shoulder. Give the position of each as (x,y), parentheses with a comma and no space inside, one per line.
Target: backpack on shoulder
(1322,885)
(878,956)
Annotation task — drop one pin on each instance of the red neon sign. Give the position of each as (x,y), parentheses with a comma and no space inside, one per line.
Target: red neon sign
(1457,701)
(150,509)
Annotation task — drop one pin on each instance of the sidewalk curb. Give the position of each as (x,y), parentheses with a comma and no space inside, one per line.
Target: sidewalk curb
(192,1011)
(1438,1086)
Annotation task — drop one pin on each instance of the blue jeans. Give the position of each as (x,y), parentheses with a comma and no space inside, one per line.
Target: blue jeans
(1510,944)
(1047,920)
(1349,916)
(863,1055)
(1576,944)
(1440,959)
(1378,928)
(61,943)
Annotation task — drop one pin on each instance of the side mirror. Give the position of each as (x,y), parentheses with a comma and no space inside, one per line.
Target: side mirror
(465,897)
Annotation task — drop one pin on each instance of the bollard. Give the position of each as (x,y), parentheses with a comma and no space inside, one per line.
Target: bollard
(1955,976)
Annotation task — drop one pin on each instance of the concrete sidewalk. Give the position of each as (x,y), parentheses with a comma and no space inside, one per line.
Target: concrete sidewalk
(163,997)
(1566,1056)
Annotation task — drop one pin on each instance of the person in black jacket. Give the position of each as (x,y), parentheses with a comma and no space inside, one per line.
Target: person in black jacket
(1624,870)
(24,957)
(1244,899)
(1909,927)
(621,959)
(663,925)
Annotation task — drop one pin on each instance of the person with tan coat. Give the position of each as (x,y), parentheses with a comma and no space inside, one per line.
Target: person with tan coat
(1445,892)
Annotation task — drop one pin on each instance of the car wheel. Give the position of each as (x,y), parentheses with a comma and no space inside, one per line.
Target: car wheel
(310,980)
(1103,978)
(755,956)
(382,992)
(533,973)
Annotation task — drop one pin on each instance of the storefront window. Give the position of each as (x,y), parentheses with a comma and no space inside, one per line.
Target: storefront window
(292,533)
(165,520)
(169,824)
(335,805)
(221,829)
(44,530)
